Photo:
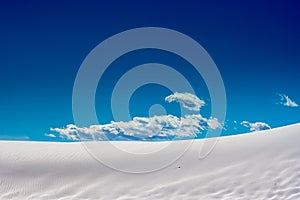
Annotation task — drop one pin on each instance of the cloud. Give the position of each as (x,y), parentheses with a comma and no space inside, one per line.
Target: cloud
(164,127)
(188,100)
(257,126)
(50,135)
(10,137)
(286,101)
(214,123)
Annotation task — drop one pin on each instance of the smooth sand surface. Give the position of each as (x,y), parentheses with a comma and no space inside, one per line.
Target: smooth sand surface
(262,165)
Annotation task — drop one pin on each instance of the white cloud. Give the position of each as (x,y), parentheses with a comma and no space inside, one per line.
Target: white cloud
(286,101)
(256,126)
(10,137)
(188,100)
(50,135)
(214,123)
(142,128)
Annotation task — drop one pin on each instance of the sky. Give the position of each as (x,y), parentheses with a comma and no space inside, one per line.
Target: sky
(255,45)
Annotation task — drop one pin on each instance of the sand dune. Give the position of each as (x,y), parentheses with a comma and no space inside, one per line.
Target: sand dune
(262,165)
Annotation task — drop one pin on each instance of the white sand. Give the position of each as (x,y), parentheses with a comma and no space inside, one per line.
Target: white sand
(263,165)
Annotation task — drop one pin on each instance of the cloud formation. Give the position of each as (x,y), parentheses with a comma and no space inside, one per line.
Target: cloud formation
(256,126)
(165,127)
(286,101)
(187,100)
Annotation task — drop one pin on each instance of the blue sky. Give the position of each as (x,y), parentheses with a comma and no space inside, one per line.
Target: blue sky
(255,45)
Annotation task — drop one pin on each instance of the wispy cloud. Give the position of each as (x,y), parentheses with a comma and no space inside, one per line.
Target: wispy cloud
(10,137)
(188,100)
(50,135)
(256,126)
(286,101)
(163,127)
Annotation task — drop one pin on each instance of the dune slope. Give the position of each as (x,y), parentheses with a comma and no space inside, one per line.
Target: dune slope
(262,165)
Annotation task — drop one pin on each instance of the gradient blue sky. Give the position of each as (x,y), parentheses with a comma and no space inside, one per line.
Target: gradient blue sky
(255,44)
